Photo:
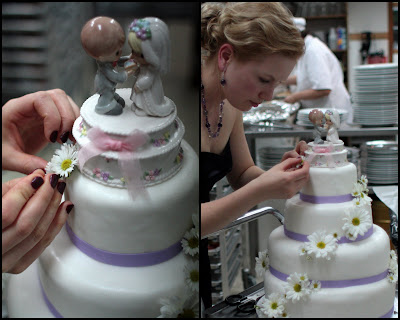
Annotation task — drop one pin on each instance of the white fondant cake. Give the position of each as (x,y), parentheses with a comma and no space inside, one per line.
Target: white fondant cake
(329,259)
(120,255)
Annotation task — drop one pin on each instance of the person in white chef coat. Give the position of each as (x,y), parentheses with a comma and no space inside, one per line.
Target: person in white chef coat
(318,76)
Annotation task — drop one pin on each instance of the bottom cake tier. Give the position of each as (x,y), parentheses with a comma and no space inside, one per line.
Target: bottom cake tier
(353,284)
(76,285)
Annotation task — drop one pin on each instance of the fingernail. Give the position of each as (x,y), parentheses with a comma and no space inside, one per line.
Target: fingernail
(69,208)
(39,169)
(53,136)
(61,187)
(64,137)
(37,182)
(53,180)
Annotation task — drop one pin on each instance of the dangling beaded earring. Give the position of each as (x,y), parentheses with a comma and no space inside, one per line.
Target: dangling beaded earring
(223,81)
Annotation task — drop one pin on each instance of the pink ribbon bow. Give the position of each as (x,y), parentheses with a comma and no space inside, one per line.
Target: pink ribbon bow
(323,149)
(101,142)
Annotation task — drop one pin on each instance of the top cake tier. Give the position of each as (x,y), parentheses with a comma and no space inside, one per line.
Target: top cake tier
(327,155)
(160,157)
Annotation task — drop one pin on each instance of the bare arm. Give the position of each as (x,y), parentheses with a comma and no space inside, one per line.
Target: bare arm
(309,94)
(252,184)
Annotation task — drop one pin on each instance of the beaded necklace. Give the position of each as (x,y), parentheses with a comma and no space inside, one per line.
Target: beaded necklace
(205,112)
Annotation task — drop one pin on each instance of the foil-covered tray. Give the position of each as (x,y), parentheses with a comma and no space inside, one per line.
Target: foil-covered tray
(270,113)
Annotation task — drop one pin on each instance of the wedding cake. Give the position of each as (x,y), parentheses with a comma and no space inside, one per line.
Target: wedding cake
(328,259)
(120,253)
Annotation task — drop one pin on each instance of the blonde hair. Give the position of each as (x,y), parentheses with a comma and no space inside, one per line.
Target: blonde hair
(134,42)
(254,29)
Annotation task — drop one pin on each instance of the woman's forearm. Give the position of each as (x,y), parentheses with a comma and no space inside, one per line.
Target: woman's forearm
(219,213)
(248,175)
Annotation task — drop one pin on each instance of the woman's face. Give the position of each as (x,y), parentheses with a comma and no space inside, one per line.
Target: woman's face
(250,83)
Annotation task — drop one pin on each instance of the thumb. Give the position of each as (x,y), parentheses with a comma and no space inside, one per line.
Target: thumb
(290,162)
(26,163)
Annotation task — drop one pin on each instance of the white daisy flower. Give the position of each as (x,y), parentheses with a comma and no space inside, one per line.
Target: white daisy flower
(364,181)
(190,242)
(357,222)
(321,245)
(357,202)
(274,306)
(393,255)
(192,275)
(315,285)
(357,190)
(302,250)
(262,263)
(393,266)
(296,289)
(183,306)
(392,277)
(365,199)
(337,234)
(64,160)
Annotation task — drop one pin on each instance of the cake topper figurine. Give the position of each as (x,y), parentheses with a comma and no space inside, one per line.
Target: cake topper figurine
(317,118)
(332,125)
(150,44)
(103,39)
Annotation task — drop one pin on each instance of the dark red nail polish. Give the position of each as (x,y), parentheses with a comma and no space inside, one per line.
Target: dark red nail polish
(61,187)
(69,208)
(53,180)
(64,137)
(53,136)
(37,182)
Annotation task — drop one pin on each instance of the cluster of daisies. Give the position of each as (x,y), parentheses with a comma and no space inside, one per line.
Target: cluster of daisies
(186,305)
(63,161)
(357,221)
(299,287)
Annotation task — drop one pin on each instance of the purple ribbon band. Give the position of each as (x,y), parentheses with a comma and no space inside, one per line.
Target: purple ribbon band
(303,237)
(326,199)
(336,283)
(122,259)
(52,309)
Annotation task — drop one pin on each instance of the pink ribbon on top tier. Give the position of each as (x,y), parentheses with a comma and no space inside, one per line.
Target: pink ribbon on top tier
(101,142)
(323,149)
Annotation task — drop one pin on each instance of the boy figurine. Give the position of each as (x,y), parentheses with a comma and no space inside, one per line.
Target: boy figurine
(316,117)
(103,39)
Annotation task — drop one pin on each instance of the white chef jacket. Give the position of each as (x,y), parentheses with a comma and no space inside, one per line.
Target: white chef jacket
(319,69)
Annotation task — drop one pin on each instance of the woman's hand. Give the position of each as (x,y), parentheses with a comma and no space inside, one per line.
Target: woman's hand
(300,149)
(31,218)
(30,122)
(284,180)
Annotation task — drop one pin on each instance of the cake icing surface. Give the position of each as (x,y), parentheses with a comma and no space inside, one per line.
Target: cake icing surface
(328,259)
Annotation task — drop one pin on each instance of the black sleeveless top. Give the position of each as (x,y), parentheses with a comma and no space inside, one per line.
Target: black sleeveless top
(213,167)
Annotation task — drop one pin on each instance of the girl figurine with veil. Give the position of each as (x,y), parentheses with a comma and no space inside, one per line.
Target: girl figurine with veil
(332,125)
(150,44)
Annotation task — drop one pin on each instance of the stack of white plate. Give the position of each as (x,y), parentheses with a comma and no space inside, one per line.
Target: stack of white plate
(302,116)
(375,96)
(267,157)
(379,161)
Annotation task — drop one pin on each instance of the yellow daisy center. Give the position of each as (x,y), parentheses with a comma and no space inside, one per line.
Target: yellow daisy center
(193,242)
(274,305)
(356,221)
(321,245)
(194,276)
(297,287)
(66,164)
